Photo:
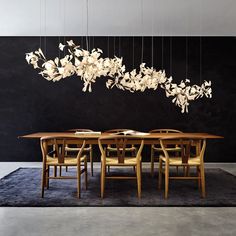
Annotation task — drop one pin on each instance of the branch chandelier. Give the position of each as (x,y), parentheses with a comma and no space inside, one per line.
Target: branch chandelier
(90,65)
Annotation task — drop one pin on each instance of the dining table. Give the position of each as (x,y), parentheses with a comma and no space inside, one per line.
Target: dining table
(92,137)
(149,138)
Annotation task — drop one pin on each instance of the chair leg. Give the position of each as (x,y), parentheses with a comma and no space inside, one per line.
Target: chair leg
(60,171)
(47,178)
(78,180)
(91,160)
(166,180)
(160,174)
(199,176)
(55,171)
(139,185)
(66,168)
(202,172)
(152,162)
(43,180)
(86,173)
(177,170)
(103,171)
(187,170)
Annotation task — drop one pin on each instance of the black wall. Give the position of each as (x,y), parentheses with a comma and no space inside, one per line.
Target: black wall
(29,103)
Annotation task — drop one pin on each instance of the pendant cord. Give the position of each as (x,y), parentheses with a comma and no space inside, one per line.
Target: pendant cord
(108,46)
(87,23)
(45,30)
(152,51)
(186,48)
(133,53)
(40,24)
(200,43)
(142,51)
(152,30)
(114,46)
(162,53)
(59,38)
(186,55)
(82,25)
(170,41)
(170,55)
(200,59)
(64,24)
(119,47)
(142,30)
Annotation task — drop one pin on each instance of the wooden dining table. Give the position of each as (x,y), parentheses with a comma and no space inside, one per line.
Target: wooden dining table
(149,138)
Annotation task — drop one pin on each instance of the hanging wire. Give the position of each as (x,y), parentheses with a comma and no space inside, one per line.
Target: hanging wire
(87,23)
(108,45)
(200,59)
(142,51)
(142,30)
(133,52)
(45,30)
(119,47)
(59,38)
(152,51)
(186,55)
(162,53)
(186,49)
(200,43)
(40,24)
(171,51)
(152,30)
(82,25)
(114,46)
(89,42)
(170,55)
(64,24)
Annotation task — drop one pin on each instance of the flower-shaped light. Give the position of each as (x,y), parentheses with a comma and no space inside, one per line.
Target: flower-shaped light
(90,65)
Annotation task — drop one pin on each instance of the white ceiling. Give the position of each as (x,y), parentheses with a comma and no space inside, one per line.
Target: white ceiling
(118,17)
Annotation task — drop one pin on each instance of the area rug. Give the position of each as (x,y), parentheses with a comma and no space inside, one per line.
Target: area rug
(21,188)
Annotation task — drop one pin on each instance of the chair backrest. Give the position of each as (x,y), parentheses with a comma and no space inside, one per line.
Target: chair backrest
(165,131)
(113,131)
(186,144)
(120,142)
(58,144)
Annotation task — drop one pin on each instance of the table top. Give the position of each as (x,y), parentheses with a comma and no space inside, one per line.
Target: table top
(147,136)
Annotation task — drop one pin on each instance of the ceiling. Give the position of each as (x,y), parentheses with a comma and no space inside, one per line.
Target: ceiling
(118,17)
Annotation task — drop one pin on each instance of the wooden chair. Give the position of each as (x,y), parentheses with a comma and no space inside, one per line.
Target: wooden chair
(57,158)
(121,160)
(75,149)
(185,160)
(157,148)
(111,150)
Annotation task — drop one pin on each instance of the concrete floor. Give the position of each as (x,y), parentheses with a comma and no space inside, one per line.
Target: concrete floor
(116,220)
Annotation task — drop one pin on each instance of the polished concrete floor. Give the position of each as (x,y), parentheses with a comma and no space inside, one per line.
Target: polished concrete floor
(116,220)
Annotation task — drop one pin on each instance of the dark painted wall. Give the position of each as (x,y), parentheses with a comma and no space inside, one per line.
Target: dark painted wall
(29,103)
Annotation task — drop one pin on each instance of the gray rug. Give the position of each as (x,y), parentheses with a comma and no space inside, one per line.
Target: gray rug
(22,188)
